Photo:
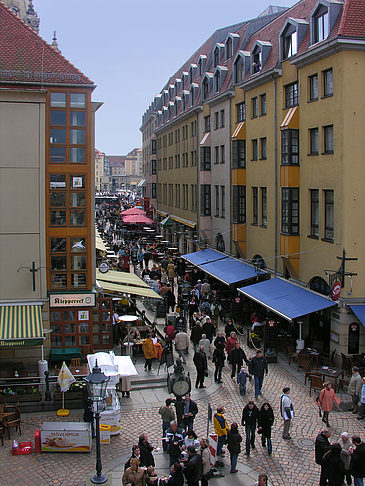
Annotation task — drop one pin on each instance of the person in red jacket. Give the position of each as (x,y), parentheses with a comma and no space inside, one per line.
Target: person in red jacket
(231,342)
(326,399)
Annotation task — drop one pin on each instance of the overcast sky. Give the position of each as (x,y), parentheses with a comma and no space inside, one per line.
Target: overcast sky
(130,49)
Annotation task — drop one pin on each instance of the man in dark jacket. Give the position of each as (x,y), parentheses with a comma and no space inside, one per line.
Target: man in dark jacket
(193,468)
(201,365)
(250,416)
(209,329)
(190,411)
(322,445)
(145,451)
(236,358)
(175,440)
(357,465)
(176,478)
(257,368)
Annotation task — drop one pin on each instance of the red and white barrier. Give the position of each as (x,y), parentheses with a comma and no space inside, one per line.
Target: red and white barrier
(213,443)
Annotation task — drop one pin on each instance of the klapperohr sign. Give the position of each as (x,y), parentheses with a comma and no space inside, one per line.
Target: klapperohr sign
(72,300)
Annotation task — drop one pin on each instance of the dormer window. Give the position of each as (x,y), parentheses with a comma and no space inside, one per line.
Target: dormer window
(321,25)
(229,48)
(171,92)
(259,55)
(290,44)
(323,18)
(241,66)
(177,85)
(184,76)
(192,73)
(256,61)
(217,81)
(201,65)
(217,54)
(183,102)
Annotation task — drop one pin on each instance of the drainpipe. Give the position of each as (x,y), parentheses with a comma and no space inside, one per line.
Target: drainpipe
(230,176)
(197,199)
(276,185)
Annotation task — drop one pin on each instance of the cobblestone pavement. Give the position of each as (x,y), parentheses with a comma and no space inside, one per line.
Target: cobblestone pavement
(292,462)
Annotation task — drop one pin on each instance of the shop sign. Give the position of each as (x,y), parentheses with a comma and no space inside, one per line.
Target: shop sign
(103,267)
(72,300)
(336,290)
(335,316)
(84,315)
(271,323)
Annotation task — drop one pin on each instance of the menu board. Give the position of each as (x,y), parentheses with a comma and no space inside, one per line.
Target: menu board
(66,437)
(354,338)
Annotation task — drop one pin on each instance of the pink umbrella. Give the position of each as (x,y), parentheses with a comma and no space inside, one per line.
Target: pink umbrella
(130,211)
(137,219)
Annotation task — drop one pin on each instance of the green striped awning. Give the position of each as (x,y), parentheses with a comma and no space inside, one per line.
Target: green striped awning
(20,325)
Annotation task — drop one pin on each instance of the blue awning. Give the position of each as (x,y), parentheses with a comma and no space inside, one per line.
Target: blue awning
(204,256)
(359,311)
(229,271)
(285,298)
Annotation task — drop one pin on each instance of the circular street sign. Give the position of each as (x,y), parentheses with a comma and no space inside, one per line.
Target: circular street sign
(103,267)
(336,290)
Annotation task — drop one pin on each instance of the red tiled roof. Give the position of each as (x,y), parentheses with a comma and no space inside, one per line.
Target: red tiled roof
(353,19)
(116,160)
(26,58)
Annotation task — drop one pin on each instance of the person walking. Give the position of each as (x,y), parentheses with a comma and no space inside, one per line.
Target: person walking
(250,416)
(145,450)
(354,389)
(201,365)
(242,380)
(189,413)
(168,415)
(231,342)
(362,401)
(170,270)
(134,475)
(220,340)
(170,298)
(346,446)
(321,446)
(193,468)
(218,360)
(266,421)
(182,344)
(221,429)
(333,466)
(149,352)
(209,329)
(326,399)
(196,334)
(236,358)
(176,477)
(234,440)
(357,464)
(204,452)
(205,343)
(287,412)
(258,367)
(175,440)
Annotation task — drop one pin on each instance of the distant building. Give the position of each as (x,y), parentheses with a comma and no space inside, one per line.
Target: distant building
(25,11)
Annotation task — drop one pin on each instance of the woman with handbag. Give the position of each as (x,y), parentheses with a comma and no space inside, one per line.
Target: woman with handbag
(326,399)
(266,421)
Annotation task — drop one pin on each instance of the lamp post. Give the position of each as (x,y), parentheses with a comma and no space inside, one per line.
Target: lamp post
(185,289)
(96,386)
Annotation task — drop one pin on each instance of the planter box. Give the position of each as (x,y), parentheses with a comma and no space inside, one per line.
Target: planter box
(28,397)
(68,396)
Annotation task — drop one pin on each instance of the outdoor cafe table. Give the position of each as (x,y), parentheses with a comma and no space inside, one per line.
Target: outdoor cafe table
(81,370)
(65,354)
(327,372)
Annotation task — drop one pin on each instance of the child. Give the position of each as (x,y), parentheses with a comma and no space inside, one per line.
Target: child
(242,379)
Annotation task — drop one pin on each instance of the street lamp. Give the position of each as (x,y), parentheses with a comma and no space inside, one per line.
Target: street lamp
(96,386)
(179,384)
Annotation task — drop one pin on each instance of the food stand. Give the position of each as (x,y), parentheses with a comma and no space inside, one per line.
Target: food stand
(66,437)
(115,367)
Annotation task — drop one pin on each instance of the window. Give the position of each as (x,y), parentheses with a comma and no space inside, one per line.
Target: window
(263,149)
(223,201)
(239,204)
(205,89)
(254,107)
(77,100)
(216,201)
(313,141)
(222,119)
(290,43)
(290,147)
(205,193)
(263,105)
(77,155)
(256,61)
(229,48)
(153,190)
(291,95)
(77,118)
(239,72)
(57,135)
(207,124)
(57,154)
(223,154)
(217,81)
(328,139)
(205,158)
(239,154)
(216,151)
(193,197)
(321,25)
(177,195)
(328,82)
(264,207)
(328,215)
(216,120)
(313,87)
(216,57)
(241,112)
(255,205)
(254,149)
(58,100)
(314,213)
(290,210)
(153,167)
(58,117)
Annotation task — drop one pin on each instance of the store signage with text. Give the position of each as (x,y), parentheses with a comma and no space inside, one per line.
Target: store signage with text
(72,300)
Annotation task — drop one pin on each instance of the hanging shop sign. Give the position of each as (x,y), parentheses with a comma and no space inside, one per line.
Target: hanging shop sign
(72,300)
(336,290)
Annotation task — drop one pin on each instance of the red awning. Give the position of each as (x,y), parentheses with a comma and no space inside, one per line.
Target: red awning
(137,219)
(131,211)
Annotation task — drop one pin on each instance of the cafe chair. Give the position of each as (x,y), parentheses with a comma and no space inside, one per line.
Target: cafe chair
(292,354)
(315,382)
(13,421)
(328,359)
(76,362)
(85,350)
(304,361)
